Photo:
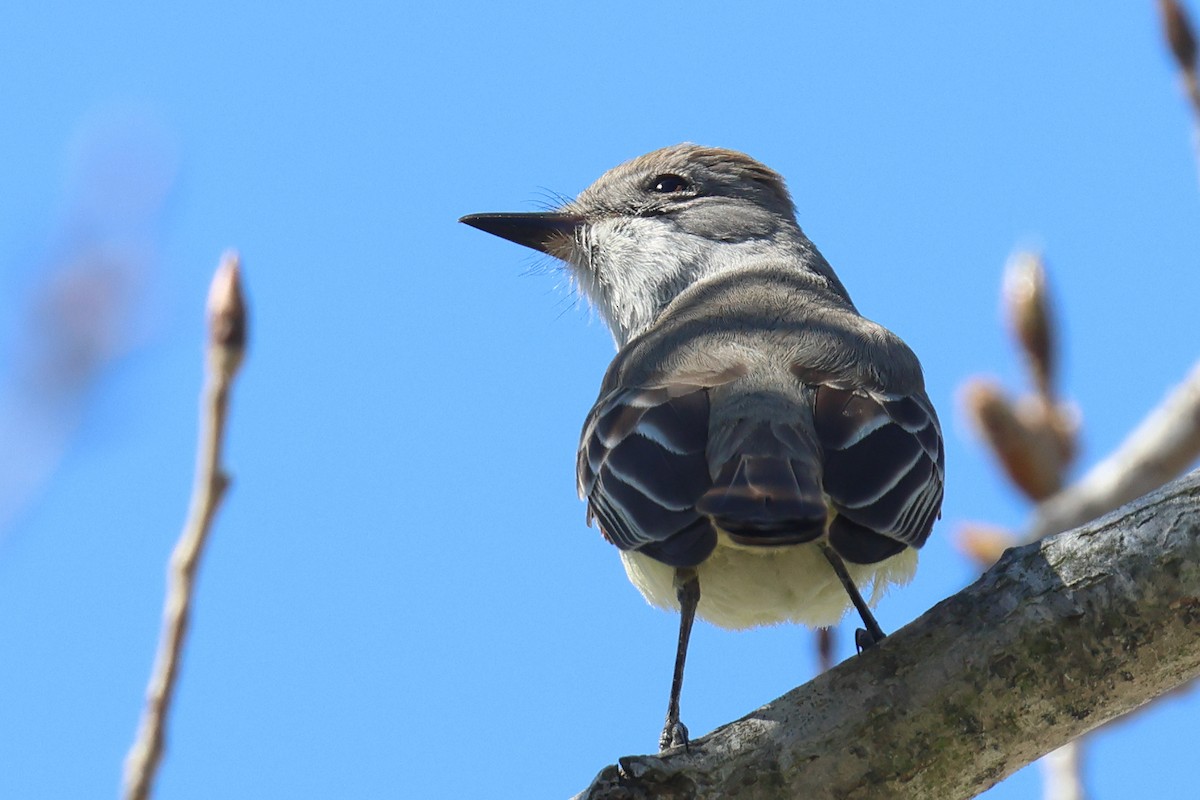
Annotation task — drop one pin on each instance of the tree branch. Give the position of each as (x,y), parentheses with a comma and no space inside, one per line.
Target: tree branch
(226,346)
(1056,639)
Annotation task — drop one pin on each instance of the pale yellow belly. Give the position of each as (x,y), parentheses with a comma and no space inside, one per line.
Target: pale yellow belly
(744,587)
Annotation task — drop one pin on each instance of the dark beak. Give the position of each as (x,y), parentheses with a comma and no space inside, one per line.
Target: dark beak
(537,230)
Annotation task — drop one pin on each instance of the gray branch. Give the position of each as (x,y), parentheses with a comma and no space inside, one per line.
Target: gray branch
(1056,639)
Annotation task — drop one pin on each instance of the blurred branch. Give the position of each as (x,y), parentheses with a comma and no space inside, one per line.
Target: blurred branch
(80,296)
(1027,301)
(1034,437)
(1181,41)
(825,649)
(1062,773)
(1057,638)
(1159,449)
(1177,30)
(226,347)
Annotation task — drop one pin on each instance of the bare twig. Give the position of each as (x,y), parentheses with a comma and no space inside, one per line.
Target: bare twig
(1181,40)
(226,346)
(825,648)
(1057,638)
(1158,450)
(1177,30)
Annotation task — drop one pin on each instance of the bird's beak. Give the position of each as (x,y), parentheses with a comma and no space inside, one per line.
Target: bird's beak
(539,230)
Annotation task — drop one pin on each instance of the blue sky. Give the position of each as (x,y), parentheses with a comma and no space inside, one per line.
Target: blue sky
(401,598)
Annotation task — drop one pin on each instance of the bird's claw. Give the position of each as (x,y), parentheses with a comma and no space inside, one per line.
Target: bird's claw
(863,639)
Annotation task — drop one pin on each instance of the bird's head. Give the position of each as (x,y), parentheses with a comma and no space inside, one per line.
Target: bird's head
(649,228)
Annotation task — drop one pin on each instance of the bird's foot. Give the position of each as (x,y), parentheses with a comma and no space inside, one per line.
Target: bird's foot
(675,734)
(864,639)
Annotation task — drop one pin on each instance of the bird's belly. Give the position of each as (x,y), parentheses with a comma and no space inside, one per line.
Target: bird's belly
(745,587)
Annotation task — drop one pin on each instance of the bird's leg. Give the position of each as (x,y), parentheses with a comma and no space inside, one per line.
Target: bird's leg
(687,589)
(873,634)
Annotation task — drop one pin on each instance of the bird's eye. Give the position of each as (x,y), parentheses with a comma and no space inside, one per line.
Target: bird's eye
(670,184)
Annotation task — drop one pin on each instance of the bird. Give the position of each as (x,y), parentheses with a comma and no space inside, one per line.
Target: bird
(759,451)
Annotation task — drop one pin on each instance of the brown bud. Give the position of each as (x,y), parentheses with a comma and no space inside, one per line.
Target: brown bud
(982,543)
(1177,29)
(1055,426)
(227,314)
(1027,303)
(1029,458)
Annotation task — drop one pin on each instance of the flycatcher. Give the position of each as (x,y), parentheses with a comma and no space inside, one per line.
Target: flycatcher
(759,449)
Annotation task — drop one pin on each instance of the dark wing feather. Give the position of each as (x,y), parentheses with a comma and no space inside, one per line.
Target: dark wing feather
(642,467)
(656,482)
(884,469)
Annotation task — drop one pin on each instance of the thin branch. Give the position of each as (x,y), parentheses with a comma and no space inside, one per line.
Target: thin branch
(1056,639)
(825,649)
(226,346)
(1158,450)
(1181,40)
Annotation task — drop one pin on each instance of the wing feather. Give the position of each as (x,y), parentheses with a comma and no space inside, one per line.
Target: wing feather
(642,469)
(884,468)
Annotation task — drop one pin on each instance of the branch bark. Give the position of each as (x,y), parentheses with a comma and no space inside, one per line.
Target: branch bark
(1059,637)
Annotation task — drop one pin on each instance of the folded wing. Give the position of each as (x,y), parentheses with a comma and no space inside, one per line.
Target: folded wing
(660,478)
(884,469)
(642,468)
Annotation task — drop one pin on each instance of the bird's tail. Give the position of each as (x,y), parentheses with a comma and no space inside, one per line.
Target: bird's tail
(766,490)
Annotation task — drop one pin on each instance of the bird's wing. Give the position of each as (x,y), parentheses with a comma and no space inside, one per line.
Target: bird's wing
(646,470)
(642,466)
(884,468)
(662,469)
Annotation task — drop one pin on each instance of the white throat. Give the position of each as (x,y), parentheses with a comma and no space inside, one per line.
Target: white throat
(631,268)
